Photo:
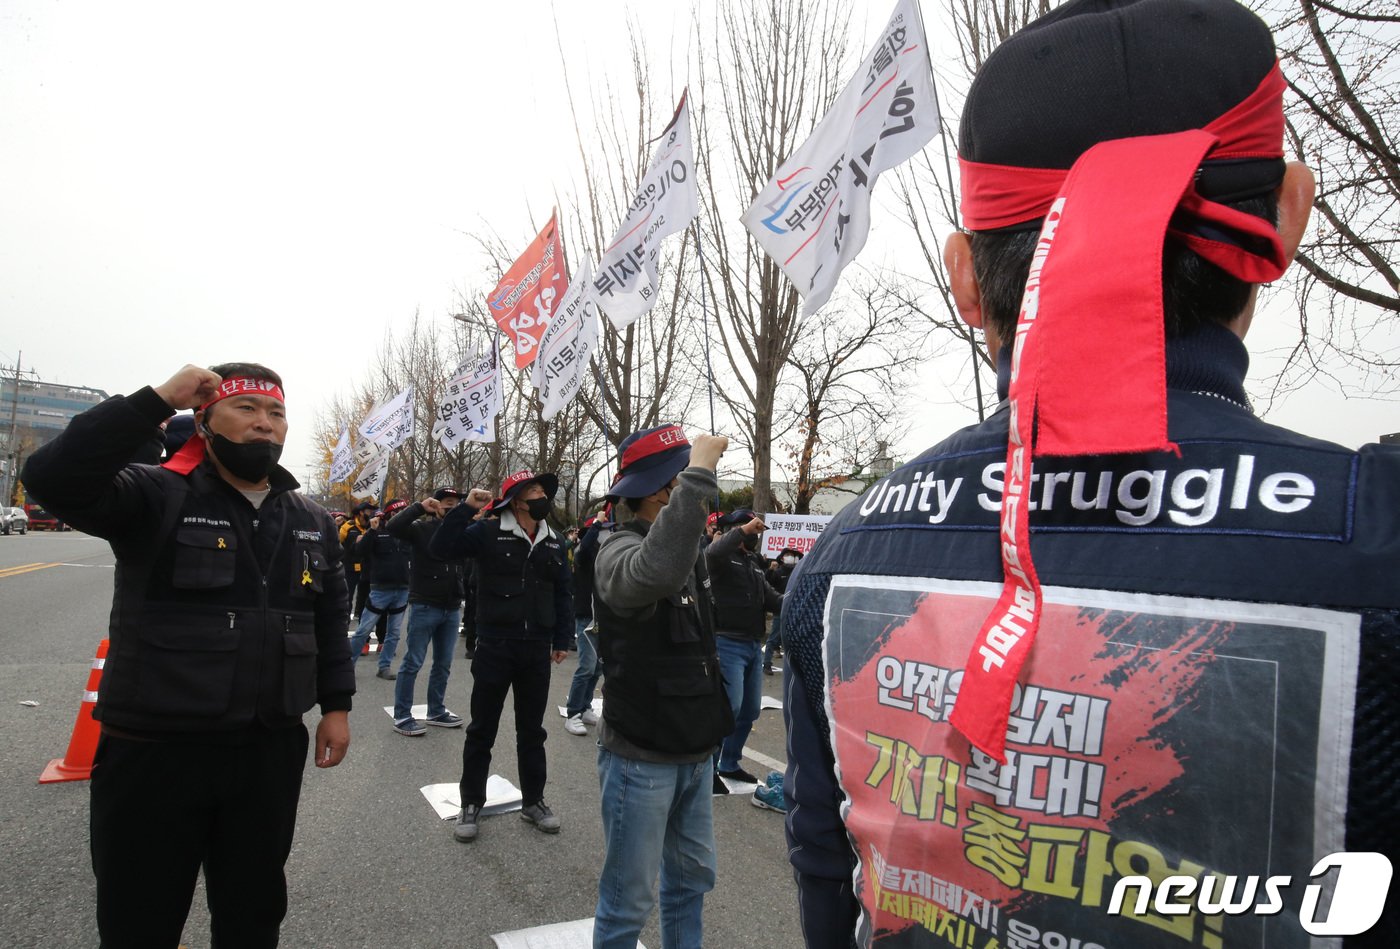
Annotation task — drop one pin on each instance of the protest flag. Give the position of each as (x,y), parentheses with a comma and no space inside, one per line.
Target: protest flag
(470,402)
(567,345)
(523,301)
(390,423)
(665,202)
(814,216)
(342,459)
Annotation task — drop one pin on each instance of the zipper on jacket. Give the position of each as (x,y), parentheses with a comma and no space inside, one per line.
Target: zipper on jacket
(231,618)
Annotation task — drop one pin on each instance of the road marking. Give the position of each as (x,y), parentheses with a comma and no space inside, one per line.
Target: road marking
(24,568)
(772,764)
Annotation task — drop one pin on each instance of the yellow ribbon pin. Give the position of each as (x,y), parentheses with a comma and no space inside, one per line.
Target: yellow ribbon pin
(222,545)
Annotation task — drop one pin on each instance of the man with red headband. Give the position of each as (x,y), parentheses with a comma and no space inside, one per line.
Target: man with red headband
(227,625)
(1123,630)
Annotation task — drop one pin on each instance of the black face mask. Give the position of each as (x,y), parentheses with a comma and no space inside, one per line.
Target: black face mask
(538,508)
(751,542)
(249,461)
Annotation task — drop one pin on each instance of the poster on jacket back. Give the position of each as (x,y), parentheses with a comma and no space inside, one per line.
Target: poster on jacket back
(1150,736)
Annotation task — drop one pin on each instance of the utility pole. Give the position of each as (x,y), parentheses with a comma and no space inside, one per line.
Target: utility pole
(12,443)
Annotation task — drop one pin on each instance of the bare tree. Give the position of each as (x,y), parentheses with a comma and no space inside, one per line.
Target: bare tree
(847,370)
(781,63)
(645,374)
(1343,119)
(928,191)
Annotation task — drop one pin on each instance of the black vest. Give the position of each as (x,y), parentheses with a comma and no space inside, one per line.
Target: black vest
(663,690)
(213,623)
(737,585)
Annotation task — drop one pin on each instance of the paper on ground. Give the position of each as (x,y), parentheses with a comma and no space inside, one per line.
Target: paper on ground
(597,707)
(575,935)
(769,702)
(501,798)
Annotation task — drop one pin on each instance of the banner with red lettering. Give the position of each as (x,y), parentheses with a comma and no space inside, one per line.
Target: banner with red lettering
(522,303)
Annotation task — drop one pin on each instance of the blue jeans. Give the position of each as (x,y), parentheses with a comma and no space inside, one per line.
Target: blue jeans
(741,662)
(589,671)
(775,639)
(655,817)
(388,600)
(426,624)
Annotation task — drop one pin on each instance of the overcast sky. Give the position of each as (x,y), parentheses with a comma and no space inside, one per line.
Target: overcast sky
(281,182)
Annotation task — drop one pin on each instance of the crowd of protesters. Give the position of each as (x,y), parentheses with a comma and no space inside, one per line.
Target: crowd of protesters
(1128,156)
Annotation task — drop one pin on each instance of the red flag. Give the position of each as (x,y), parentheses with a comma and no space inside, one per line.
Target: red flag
(523,301)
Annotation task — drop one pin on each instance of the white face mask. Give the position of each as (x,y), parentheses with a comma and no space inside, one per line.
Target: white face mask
(789,560)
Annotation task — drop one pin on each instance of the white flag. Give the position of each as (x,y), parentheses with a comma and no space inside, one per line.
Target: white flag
(665,203)
(342,459)
(814,216)
(567,345)
(371,480)
(470,404)
(364,452)
(391,422)
(453,435)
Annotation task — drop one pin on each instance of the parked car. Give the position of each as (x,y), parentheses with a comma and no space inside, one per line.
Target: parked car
(42,520)
(13,520)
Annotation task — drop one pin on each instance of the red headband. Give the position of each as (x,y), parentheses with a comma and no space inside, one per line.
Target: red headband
(1092,310)
(995,196)
(658,441)
(192,452)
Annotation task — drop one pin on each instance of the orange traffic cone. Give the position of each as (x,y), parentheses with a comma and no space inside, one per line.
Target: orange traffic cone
(76,764)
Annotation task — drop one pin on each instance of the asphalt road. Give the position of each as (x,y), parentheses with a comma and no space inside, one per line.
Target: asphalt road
(373,865)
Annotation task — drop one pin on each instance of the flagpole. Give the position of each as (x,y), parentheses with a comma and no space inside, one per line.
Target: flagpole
(705,315)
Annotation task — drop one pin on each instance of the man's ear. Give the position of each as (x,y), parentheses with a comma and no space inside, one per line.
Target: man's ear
(1295,202)
(967,296)
(200,428)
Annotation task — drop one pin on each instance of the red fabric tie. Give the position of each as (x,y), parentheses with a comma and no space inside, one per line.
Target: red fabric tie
(1088,368)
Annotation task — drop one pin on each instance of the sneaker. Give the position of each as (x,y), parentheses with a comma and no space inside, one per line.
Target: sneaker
(541,816)
(411,727)
(467,823)
(739,774)
(768,669)
(445,720)
(720,787)
(384,673)
(589,717)
(574,725)
(770,799)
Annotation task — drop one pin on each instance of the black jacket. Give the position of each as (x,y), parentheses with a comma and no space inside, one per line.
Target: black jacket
(584,555)
(224,617)
(1213,684)
(523,591)
(742,593)
(384,556)
(432,580)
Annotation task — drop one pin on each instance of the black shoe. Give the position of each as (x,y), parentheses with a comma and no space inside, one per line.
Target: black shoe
(467,823)
(720,786)
(386,674)
(768,669)
(739,774)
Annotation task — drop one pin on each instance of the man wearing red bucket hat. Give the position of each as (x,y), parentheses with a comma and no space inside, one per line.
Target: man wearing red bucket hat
(1123,630)
(525,620)
(228,623)
(664,705)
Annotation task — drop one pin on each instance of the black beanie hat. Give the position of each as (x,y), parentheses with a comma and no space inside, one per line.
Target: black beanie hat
(1095,70)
